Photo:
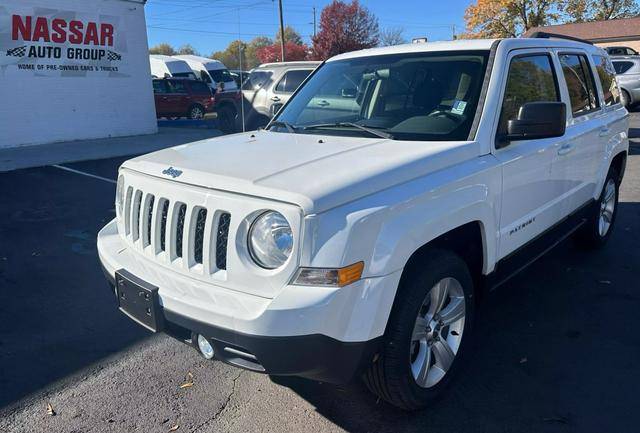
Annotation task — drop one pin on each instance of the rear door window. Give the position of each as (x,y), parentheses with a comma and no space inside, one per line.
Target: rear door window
(176,86)
(200,88)
(580,83)
(159,87)
(607,76)
(531,79)
(292,80)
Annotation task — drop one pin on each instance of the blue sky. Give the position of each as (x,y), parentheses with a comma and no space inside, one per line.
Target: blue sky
(209,25)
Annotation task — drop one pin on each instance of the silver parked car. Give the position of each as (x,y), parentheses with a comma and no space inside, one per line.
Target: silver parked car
(269,87)
(628,76)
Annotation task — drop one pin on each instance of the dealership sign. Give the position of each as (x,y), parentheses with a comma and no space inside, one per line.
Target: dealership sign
(61,43)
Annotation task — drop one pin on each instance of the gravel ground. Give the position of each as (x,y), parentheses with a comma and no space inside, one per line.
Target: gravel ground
(556,347)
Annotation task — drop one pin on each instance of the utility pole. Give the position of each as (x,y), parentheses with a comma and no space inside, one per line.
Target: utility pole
(314,21)
(281,30)
(453,32)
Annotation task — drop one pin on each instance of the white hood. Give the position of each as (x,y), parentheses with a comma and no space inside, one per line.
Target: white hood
(315,172)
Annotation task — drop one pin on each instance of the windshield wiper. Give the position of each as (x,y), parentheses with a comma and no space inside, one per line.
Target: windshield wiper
(371,131)
(290,127)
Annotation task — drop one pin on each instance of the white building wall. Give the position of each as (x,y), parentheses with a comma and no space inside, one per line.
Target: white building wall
(48,99)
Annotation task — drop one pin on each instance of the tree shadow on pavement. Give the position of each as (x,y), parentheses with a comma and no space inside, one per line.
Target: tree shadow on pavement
(57,315)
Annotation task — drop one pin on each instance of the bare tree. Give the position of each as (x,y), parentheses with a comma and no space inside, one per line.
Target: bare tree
(392,36)
(187,49)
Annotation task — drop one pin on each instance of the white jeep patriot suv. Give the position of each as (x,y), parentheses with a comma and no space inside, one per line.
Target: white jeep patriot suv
(352,236)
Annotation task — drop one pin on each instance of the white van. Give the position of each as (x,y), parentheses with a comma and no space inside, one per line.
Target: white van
(167,66)
(210,71)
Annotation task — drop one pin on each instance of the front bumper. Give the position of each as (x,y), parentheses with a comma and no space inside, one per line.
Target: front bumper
(316,357)
(326,334)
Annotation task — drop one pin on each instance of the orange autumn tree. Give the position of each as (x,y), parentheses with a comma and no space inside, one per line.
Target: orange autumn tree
(508,18)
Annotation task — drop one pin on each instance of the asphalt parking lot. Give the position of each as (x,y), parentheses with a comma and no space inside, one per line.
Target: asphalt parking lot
(557,347)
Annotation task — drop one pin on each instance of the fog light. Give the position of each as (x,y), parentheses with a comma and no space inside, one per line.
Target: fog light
(205,347)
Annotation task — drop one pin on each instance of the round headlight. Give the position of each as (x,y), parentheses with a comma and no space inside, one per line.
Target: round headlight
(120,194)
(270,240)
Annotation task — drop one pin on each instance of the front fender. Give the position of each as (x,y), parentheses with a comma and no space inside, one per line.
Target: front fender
(384,229)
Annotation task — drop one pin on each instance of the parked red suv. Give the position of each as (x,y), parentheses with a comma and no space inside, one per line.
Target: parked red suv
(176,97)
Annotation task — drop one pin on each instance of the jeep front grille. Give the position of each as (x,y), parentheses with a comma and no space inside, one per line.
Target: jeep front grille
(180,234)
(199,235)
(221,240)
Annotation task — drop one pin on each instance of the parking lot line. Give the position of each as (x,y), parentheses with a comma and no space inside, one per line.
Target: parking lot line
(61,167)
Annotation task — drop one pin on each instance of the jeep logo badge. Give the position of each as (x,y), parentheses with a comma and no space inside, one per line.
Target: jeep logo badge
(172,172)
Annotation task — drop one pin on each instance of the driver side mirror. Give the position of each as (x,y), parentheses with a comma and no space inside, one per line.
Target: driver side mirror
(537,120)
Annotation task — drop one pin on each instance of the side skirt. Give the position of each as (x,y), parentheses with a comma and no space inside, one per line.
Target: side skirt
(518,260)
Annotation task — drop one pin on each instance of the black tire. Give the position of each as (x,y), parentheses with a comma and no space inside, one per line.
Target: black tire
(590,234)
(226,119)
(625,99)
(390,376)
(196,112)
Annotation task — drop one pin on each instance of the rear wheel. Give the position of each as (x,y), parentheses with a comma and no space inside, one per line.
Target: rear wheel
(196,112)
(598,228)
(427,334)
(625,98)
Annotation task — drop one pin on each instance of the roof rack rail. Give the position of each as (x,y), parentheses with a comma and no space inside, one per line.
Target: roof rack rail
(546,35)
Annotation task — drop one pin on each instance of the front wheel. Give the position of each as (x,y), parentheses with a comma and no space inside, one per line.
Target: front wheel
(427,334)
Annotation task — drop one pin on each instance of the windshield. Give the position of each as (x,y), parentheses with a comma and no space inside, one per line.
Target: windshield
(220,75)
(415,96)
(184,75)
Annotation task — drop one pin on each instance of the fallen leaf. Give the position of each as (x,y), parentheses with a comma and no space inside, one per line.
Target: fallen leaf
(50,410)
(174,428)
(188,381)
(523,360)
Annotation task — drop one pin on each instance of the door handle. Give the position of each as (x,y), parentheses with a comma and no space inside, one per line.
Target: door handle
(604,131)
(323,103)
(275,99)
(565,149)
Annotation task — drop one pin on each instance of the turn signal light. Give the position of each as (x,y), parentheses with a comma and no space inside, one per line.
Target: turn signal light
(331,277)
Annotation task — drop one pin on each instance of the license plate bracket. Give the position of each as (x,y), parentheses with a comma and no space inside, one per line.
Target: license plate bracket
(139,300)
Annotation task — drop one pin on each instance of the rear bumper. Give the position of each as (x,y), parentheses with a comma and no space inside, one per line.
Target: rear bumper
(316,357)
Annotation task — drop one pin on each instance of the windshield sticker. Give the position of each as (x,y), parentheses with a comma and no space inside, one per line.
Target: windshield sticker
(458,107)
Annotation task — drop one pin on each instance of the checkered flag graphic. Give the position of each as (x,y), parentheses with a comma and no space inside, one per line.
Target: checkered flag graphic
(17,52)
(111,56)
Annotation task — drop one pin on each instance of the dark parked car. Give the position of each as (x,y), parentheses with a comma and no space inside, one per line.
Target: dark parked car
(177,97)
(621,51)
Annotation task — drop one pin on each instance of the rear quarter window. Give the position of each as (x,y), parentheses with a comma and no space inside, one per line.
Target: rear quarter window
(607,76)
(622,67)
(257,80)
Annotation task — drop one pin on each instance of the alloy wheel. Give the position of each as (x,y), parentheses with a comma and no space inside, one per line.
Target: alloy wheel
(437,332)
(607,208)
